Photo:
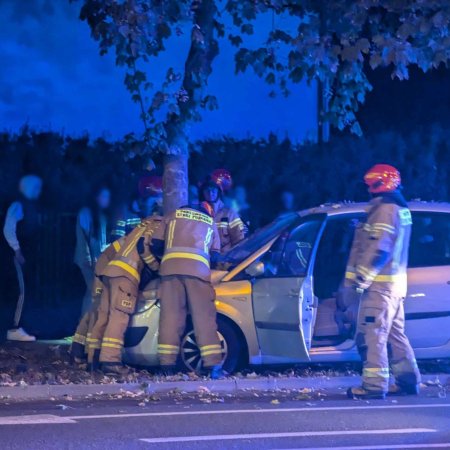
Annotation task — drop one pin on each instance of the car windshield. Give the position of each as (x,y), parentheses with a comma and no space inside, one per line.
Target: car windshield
(264,235)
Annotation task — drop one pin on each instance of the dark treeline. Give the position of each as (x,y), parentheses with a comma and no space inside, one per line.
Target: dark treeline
(71,167)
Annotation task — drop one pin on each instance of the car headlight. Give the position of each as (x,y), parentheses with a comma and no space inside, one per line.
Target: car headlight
(146,300)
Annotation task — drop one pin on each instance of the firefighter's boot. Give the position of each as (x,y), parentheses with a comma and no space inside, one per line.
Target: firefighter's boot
(360,393)
(115,369)
(93,360)
(399,390)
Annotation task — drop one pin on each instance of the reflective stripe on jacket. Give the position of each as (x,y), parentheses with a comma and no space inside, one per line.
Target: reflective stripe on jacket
(190,236)
(128,261)
(379,254)
(230,226)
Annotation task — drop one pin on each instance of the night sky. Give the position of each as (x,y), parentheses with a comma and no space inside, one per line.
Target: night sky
(53,77)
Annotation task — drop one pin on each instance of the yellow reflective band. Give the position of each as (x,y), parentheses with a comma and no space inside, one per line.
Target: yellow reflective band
(236,222)
(92,340)
(183,255)
(94,346)
(167,352)
(170,234)
(107,344)
(120,341)
(211,352)
(373,373)
(193,215)
(176,347)
(365,271)
(207,347)
(79,339)
(383,225)
(126,267)
(379,278)
(116,246)
(149,259)
(222,225)
(133,242)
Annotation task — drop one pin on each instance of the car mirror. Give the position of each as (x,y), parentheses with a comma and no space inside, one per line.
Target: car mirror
(255,269)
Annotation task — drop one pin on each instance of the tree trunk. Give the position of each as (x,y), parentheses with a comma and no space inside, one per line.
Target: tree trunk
(175,181)
(198,66)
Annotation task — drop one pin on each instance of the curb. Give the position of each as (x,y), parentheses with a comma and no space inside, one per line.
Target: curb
(47,391)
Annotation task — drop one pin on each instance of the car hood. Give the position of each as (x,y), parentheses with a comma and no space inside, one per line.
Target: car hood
(217,276)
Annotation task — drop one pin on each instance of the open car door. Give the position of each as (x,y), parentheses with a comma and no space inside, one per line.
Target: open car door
(283,298)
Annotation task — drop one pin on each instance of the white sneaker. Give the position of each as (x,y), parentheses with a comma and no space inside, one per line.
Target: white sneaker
(19,334)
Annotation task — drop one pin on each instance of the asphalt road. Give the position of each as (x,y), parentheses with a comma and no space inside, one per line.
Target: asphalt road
(247,421)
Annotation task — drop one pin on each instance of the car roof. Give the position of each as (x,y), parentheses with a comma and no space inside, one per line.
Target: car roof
(332,209)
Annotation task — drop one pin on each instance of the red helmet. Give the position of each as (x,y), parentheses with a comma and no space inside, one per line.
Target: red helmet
(382,178)
(150,186)
(222,178)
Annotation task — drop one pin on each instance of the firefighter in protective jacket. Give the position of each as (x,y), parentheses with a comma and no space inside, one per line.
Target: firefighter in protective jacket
(229,224)
(82,336)
(188,242)
(377,269)
(121,278)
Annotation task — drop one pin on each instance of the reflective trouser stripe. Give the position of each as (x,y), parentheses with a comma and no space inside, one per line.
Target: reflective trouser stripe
(79,339)
(379,278)
(211,350)
(372,372)
(167,349)
(185,255)
(108,339)
(110,345)
(131,270)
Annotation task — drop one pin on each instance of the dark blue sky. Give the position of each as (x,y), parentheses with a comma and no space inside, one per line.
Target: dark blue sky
(52,77)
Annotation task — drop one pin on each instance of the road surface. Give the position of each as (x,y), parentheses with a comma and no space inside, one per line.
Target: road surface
(248,421)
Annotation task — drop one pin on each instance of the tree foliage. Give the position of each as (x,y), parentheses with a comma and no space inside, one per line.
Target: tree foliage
(337,42)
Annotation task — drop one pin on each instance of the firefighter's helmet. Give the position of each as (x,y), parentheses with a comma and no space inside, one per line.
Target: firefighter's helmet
(150,186)
(382,178)
(222,178)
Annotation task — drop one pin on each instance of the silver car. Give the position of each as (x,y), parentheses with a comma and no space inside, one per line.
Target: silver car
(276,302)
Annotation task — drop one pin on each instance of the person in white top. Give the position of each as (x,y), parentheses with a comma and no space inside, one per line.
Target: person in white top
(20,229)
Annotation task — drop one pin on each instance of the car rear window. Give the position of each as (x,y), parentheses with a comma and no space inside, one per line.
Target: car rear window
(430,240)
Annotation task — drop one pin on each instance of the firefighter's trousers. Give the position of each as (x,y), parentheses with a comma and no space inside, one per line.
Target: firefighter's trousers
(117,303)
(380,337)
(180,294)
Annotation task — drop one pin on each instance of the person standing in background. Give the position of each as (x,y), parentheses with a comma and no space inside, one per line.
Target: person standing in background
(92,233)
(21,231)
(287,200)
(247,214)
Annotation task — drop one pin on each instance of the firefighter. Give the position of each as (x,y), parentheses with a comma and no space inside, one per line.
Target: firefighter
(377,270)
(121,278)
(148,200)
(82,336)
(229,224)
(188,242)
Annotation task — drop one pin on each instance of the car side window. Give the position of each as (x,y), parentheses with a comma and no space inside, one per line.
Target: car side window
(298,249)
(333,252)
(430,240)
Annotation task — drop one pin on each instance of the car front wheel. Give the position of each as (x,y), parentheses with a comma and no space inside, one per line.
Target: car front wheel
(232,349)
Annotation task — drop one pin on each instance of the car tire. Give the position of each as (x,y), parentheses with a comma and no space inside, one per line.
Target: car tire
(231,343)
